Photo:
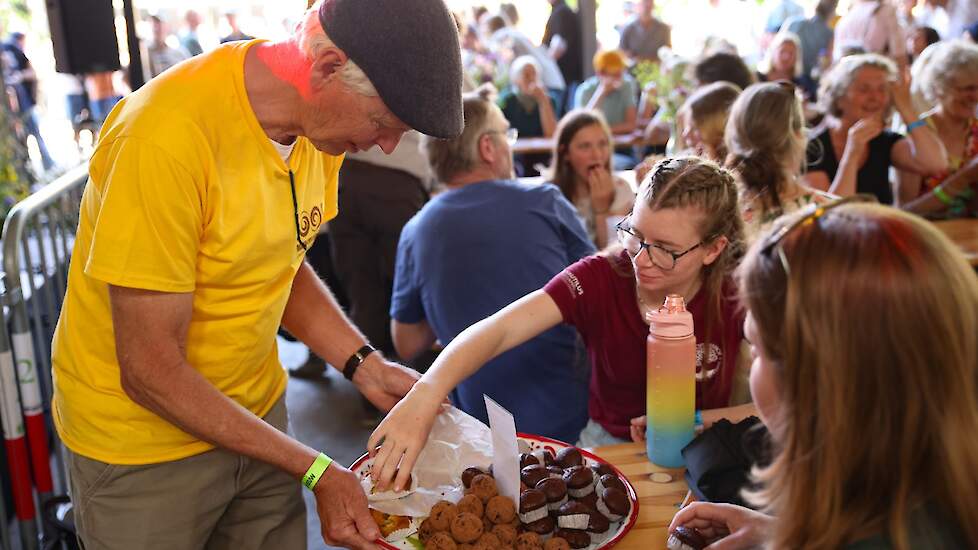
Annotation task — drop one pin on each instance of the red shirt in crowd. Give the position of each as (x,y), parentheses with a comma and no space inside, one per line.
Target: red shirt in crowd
(601,303)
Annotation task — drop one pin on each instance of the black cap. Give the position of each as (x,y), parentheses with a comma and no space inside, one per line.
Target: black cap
(409,50)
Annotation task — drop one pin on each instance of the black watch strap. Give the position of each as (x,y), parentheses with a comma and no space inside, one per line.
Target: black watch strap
(355,360)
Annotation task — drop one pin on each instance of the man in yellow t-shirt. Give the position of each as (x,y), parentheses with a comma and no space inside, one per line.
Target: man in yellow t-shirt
(206,188)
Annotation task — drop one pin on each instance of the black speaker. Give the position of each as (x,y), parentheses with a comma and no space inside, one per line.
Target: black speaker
(83,36)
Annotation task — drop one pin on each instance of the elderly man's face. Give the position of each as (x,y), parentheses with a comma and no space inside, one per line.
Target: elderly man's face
(344,121)
(501,161)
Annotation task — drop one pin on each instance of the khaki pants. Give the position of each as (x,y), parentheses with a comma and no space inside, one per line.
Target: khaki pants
(215,500)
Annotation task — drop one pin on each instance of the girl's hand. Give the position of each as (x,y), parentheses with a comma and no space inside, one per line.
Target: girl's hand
(401,436)
(726,526)
(602,189)
(637,429)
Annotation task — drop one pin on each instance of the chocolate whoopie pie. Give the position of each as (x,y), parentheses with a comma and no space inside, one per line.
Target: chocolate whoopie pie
(579,480)
(613,504)
(533,506)
(556,491)
(598,524)
(468,474)
(543,527)
(574,537)
(555,471)
(526,459)
(531,475)
(607,481)
(685,538)
(568,457)
(590,500)
(573,515)
(543,456)
(603,469)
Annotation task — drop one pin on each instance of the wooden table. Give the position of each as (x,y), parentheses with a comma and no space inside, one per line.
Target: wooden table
(658,502)
(963,233)
(531,145)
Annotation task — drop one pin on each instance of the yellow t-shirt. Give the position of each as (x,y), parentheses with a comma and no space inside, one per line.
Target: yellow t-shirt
(186,193)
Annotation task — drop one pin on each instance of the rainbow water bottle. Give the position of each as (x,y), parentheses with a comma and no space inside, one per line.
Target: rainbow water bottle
(671,382)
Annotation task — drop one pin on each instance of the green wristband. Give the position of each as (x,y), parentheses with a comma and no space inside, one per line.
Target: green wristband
(316,471)
(943,196)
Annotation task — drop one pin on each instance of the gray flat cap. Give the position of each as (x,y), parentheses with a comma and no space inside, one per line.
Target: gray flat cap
(409,50)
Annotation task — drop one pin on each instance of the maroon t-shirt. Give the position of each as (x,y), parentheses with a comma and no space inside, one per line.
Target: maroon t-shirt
(602,304)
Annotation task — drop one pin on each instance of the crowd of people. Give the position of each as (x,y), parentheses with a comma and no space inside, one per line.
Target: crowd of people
(225,192)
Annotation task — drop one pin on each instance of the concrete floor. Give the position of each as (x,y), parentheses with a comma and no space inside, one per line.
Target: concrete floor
(327,415)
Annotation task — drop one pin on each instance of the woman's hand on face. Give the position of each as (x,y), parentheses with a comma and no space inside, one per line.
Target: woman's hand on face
(637,428)
(402,435)
(536,91)
(726,526)
(862,132)
(602,189)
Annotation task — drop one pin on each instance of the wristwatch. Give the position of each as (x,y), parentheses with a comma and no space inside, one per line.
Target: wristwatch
(356,360)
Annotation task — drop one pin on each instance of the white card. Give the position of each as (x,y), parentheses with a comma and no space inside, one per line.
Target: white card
(505,453)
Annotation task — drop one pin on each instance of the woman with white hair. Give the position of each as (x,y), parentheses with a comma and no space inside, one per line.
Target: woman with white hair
(529,107)
(853,153)
(949,80)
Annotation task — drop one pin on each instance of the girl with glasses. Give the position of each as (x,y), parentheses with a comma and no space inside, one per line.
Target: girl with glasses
(685,236)
(862,323)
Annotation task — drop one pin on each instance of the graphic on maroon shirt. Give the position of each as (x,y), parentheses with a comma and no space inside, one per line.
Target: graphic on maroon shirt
(599,299)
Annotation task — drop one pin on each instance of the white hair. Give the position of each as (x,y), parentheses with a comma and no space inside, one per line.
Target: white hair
(313,39)
(947,61)
(520,63)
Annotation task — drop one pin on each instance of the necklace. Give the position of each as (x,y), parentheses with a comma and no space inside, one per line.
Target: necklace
(644,308)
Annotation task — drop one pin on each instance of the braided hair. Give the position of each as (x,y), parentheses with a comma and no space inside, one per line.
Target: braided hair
(696,182)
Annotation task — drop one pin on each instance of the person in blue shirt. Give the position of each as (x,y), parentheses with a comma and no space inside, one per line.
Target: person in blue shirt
(474,249)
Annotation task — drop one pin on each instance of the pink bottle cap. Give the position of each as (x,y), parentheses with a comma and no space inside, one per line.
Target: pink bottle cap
(671,320)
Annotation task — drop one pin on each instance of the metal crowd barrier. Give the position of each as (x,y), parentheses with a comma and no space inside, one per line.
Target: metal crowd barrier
(37,239)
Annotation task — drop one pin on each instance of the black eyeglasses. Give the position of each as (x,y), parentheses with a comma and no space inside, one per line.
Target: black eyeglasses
(661,257)
(295,211)
(810,215)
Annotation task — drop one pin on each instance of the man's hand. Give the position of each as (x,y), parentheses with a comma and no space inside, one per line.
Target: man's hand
(384,382)
(342,508)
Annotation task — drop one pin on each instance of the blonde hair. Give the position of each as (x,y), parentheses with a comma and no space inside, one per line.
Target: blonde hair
(709,107)
(700,183)
(836,82)
(313,39)
(452,157)
(872,336)
(609,60)
(782,37)
(949,60)
(765,133)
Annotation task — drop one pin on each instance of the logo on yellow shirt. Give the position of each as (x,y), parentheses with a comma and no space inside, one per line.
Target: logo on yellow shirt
(309,222)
